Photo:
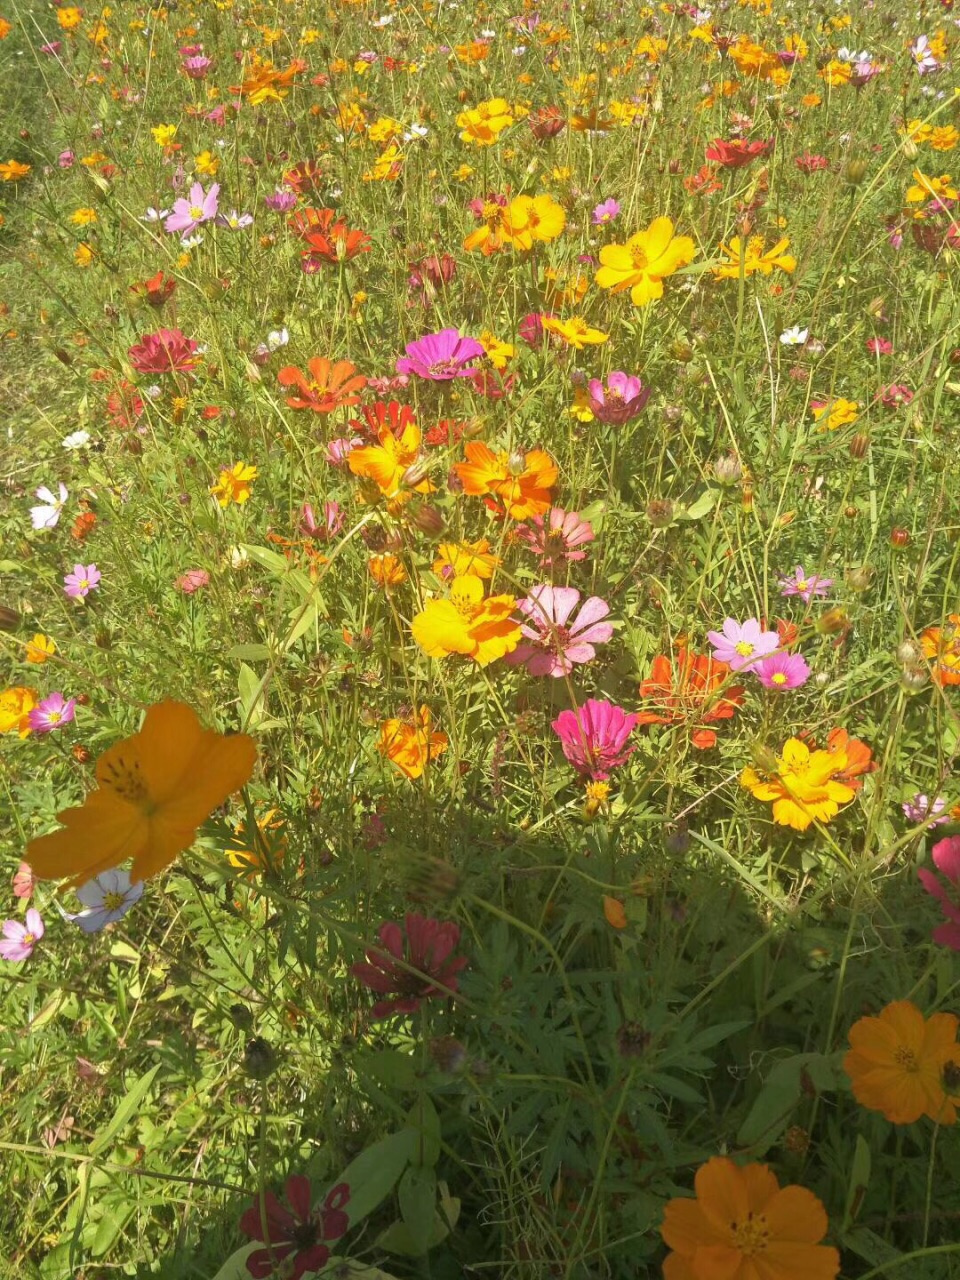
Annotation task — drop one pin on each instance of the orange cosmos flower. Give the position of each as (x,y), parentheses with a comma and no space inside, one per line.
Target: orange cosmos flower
(898,1062)
(744,1225)
(387,570)
(803,786)
(689,695)
(329,386)
(155,789)
(329,237)
(15,707)
(490,235)
(462,559)
(409,743)
(521,481)
(385,463)
(941,645)
(859,758)
(467,624)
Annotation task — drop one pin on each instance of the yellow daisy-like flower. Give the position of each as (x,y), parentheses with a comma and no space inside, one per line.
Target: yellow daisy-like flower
(206,164)
(531,218)
(575,332)
(164,134)
(753,258)
(483,124)
(39,649)
(83,217)
(15,707)
(803,789)
(465,559)
(831,414)
(498,353)
(645,261)
(466,623)
(925,188)
(235,484)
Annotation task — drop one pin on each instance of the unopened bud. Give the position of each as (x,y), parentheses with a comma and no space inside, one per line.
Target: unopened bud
(860,577)
(428,520)
(899,537)
(746,494)
(415,474)
(660,512)
(913,679)
(516,463)
(259,1059)
(681,351)
(859,445)
(910,149)
(855,172)
(728,469)
(672,414)
(909,654)
(473,429)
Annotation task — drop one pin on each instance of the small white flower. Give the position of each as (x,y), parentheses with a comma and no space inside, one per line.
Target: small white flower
(416,131)
(794,337)
(76,440)
(277,338)
(154,215)
(488,34)
(191,242)
(519,50)
(153,392)
(384,21)
(48,516)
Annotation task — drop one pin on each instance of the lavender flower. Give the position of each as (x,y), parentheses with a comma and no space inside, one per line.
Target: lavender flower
(802,585)
(18,939)
(921,809)
(605,213)
(741,643)
(106,899)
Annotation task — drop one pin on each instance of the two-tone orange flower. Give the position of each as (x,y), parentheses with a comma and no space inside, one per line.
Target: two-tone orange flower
(689,693)
(386,462)
(941,648)
(329,386)
(467,623)
(410,742)
(521,483)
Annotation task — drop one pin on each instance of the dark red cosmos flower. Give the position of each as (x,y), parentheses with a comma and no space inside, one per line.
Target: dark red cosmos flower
(156,290)
(376,416)
(426,949)
(166,351)
(296,1236)
(736,154)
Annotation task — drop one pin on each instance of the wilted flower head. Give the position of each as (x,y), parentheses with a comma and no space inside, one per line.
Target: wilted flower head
(557,536)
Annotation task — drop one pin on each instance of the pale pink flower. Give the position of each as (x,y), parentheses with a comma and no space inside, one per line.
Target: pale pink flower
(18,939)
(558,536)
(553,643)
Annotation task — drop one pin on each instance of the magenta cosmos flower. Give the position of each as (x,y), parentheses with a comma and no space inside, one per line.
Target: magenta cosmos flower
(552,642)
(620,400)
(18,939)
(189,214)
(781,671)
(559,537)
(53,712)
(82,581)
(166,351)
(946,858)
(424,947)
(605,212)
(593,738)
(741,643)
(804,586)
(296,1237)
(440,356)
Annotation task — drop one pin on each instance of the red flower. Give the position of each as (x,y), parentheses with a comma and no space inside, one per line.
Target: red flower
(329,237)
(295,1236)
(329,386)
(156,290)
(546,122)
(426,949)
(124,406)
(394,416)
(689,695)
(166,351)
(304,177)
(447,432)
(736,154)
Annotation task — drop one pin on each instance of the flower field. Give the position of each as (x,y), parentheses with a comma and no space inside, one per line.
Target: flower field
(480,641)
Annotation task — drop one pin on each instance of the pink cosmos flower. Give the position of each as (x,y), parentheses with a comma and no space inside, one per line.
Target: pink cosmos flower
(531,328)
(296,1238)
(946,858)
(441,356)
(559,537)
(166,351)
(741,643)
(192,581)
(605,212)
(189,214)
(619,401)
(24,881)
(879,346)
(48,515)
(424,945)
(921,809)
(553,644)
(325,529)
(339,450)
(803,586)
(82,581)
(782,671)
(197,66)
(894,395)
(18,939)
(593,739)
(53,712)
(281,201)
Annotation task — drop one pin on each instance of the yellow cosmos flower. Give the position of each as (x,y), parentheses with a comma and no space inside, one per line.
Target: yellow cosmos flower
(265,851)
(944,138)
(498,353)
(925,188)
(69,17)
(644,261)
(39,649)
(235,484)
(410,744)
(831,414)
(13,170)
(83,217)
(206,164)
(154,790)
(804,789)
(531,218)
(164,134)
(387,570)
(462,559)
(467,624)
(483,124)
(15,707)
(754,258)
(575,332)
(83,255)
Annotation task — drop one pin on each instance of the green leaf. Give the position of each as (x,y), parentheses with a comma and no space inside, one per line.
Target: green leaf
(235,1267)
(425,1122)
(859,1181)
(780,1095)
(268,559)
(129,1106)
(251,700)
(701,507)
(417,1194)
(249,652)
(356,1270)
(390,1068)
(376,1171)
(872,1248)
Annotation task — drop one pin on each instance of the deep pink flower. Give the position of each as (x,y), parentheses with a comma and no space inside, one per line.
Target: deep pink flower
(880,346)
(622,399)
(189,214)
(946,858)
(53,712)
(531,328)
(440,356)
(166,351)
(326,528)
(553,643)
(894,395)
(427,948)
(809,163)
(296,1237)
(781,671)
(593,739)
(192,581)
(558,537)
(18,939)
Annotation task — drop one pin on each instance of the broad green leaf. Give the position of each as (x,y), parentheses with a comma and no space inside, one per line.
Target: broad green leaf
(417,1194)
(249,652)
(268,559)
(235,1267)
(376,1171)
(127,1109)
(872,1248)
(251,699)
(390,1068)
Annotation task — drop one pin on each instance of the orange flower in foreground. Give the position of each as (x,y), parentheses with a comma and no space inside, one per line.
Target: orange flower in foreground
(329,387)
(467,624)
(521,481)
(941,646)
(328,237)
(689,694)
(386,463)
(409,743)
(155,789)
(898,1062)
(744,1226)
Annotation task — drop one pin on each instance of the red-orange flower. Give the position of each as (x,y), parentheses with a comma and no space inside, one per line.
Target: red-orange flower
(329,386)
(690,694)
(859,757)
(329,238)
(156,290)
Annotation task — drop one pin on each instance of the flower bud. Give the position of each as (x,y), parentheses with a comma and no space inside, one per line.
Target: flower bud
(834,620)
(909,654)
(415,474)
(660,512)
(859,445)
(855,172)
(516,463)
(633,1040)
(910,149)
(764,757)
(728,469)
(428,520)
(672,414)
(681,351)
(860,577)
(746,494)
(913,679)
(80,753)
(899,537)
(473,429)
(448,1054)
(259,1059)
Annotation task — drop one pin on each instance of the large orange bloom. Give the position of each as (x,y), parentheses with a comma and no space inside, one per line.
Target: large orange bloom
(156,788)
(467,624)
(897,1063)
(688,695)
(521,482)
(744,1226)
(410,744)
(385,463)
(328,388)
(941,645)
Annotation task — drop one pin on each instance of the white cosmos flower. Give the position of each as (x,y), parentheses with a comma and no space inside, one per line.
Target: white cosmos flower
(76,440)
(794,337)
(106,898)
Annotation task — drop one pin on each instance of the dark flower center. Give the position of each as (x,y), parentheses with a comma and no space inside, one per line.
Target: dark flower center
(305,1234)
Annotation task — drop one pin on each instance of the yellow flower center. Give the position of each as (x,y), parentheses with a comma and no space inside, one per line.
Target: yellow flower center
(752,1235)
(907,1059)
(638,257)
(744,648)
(802,584)
(113,901)
(196,212)
(54,716)
(778,678)
(28,940)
